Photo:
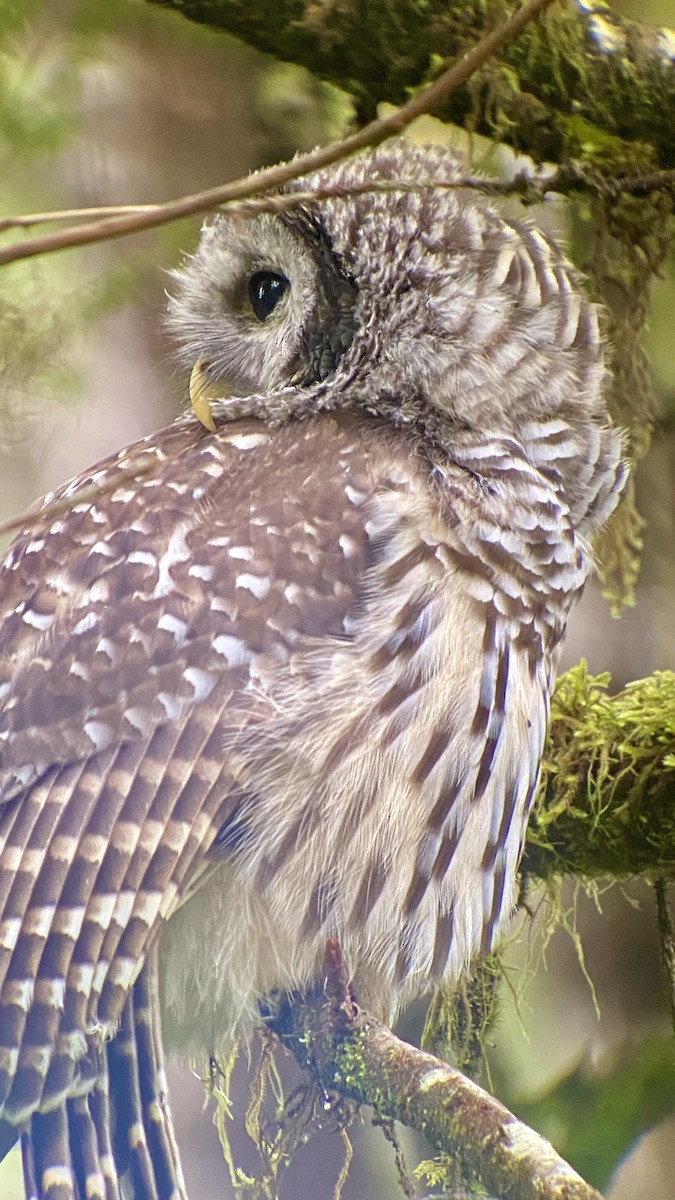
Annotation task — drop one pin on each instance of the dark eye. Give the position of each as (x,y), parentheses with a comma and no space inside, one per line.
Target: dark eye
(265,290)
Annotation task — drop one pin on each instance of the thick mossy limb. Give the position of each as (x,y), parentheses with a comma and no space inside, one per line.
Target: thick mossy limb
(606,805)
(582,61)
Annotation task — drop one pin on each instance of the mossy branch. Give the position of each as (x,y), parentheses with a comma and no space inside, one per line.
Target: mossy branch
(349,1052)
(606,805)
(583,75)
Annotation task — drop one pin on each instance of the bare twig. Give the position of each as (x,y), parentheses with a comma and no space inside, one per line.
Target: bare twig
(149,216)
(65,503)
(532,188)
(26,220)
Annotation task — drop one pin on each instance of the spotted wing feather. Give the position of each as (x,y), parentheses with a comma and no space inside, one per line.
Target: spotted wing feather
(119,681)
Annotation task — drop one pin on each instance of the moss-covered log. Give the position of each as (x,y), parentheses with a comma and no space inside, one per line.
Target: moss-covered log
(581,75)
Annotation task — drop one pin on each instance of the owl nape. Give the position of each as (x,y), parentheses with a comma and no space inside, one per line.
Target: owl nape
(281,674)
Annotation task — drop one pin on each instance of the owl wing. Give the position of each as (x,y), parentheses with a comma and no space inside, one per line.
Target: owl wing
(137,622)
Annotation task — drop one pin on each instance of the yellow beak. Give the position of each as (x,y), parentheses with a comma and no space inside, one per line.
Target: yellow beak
(203,391)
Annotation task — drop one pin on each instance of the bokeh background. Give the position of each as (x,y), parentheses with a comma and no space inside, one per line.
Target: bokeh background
(124,103)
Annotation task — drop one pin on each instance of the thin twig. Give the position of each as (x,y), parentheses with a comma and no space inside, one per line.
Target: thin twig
(64,504)
(280,202)
(26,220)
(666,941)
(147,217)
(532,188)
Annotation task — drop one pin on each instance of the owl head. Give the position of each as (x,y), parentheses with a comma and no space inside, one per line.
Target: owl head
(422,305)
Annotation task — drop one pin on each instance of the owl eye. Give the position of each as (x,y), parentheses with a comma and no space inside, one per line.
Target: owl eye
(265,290)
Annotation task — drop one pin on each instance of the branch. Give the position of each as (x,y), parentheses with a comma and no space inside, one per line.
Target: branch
(600,172)
(148,216)
(585,65)
(357,1056)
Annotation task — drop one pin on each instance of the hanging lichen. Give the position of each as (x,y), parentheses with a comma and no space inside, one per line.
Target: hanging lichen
(629,239)
(459,1017)
(278,1122)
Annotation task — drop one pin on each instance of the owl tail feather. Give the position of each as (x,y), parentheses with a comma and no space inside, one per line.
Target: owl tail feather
(144,1144)
(117,1140)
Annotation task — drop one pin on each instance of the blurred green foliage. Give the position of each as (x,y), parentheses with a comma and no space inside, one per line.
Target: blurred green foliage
(594,1115)
(40,301)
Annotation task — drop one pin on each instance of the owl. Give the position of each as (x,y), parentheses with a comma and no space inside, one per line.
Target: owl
(282,673)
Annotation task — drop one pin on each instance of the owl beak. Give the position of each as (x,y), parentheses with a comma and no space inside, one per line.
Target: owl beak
(203,391)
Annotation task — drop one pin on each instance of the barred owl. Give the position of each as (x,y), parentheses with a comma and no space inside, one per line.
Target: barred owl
(287,677)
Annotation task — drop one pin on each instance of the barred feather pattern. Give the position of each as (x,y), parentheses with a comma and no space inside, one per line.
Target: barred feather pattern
(291,679)
(117,1140)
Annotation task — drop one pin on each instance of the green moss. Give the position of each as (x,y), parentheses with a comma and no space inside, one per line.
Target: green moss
(353,1072)
(596,147)
(606,804)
